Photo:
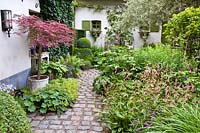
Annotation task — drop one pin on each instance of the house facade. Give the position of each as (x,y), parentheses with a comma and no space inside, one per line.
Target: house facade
(92,14)
(15,60)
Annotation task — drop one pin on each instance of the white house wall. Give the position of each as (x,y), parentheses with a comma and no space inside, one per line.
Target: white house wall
(154,37)
(14,51)
(84,13)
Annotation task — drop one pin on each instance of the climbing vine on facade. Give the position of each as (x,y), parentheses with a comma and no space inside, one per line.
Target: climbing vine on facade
(115,34)
(58,10)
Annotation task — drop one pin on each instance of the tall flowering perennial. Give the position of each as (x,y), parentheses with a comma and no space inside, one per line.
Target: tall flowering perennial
(44,34)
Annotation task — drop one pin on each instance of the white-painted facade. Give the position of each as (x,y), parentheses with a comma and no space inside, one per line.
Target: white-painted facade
(153,37)
(85,13)
(14,51)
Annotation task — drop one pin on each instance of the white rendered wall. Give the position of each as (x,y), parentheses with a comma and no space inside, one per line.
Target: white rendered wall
(154,37)
(90,14)
(14,51)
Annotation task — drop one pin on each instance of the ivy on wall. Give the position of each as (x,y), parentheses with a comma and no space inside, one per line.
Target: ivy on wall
(58,10)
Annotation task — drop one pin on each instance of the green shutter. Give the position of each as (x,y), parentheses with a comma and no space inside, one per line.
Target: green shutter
(86,25)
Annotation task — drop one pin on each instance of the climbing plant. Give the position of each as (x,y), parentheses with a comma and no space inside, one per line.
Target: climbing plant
(58,10)
(115,34)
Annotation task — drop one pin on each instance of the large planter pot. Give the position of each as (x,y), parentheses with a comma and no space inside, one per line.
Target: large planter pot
(34,83)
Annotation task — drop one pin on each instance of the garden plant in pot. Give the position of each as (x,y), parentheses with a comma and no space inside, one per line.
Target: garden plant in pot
(43,34)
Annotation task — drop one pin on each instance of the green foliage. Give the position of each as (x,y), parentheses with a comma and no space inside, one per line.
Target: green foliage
(178,120)
(55,68)
(95,52)
(148,12)
(163,55)
(74,64)
(83,43)
(87,65)
(56,52)
(138,84)
(13,119)
(116,35)
(55,97)
(183,30)
(83,53)
(58,10)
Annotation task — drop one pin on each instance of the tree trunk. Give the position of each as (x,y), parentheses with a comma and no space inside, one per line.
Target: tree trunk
(39,61)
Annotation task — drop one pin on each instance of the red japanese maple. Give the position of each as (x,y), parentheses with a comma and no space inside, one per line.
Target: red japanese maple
(44,34)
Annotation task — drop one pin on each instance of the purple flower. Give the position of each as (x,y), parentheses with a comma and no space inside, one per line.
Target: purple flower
(185,78)
(153,115)
(138,130)
(191,69)
(146,124)
(136,121)
(131,125)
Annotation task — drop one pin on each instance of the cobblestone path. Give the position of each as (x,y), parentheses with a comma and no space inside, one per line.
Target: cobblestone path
(81,118)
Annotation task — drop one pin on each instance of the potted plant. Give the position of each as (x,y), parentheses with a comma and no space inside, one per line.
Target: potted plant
(43,34)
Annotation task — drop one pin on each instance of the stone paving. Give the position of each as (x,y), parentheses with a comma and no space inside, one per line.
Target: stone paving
(81,118)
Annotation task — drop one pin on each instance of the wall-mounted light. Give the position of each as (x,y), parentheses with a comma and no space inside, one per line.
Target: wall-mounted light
(6,20)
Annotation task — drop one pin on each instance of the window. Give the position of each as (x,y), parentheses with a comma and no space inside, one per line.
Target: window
(96,25)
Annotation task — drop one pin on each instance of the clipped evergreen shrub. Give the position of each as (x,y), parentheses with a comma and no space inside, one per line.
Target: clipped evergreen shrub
(83,43)
(13,119)
(84,53)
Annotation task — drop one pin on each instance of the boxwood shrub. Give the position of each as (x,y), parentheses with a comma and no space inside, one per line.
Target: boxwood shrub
(83,43)
(13,119)
(84,53)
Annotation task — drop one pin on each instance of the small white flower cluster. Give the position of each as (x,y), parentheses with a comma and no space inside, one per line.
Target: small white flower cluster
(7,88)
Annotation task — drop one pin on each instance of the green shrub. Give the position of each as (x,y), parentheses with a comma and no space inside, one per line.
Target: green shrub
(183,29)
(56,97)
(13,119)
(178,120)
(84,53)
(83,43)
(163,55)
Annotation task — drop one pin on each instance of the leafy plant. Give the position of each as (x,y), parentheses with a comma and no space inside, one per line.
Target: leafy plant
(55,97)
(74,64)
(12,118)
(55,68)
